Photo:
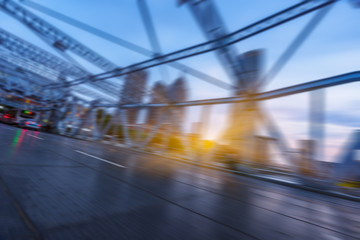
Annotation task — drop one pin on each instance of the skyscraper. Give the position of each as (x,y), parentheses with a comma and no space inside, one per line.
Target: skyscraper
(133,92)
(177,92)
(158,95)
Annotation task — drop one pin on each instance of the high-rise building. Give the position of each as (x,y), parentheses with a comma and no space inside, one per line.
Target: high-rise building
(133,92)
(177,92)
(244,116)
(158,95)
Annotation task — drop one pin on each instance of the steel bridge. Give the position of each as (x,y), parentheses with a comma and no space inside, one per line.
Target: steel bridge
(86,101)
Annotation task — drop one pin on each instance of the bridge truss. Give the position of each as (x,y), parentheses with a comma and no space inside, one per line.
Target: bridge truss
(62,83)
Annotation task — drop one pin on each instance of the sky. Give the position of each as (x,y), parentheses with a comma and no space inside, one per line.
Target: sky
(332,49)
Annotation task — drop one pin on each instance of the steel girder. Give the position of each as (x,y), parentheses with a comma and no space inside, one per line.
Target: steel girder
(57,38)
(282,92)
(38,55)
(40,74)
(13,68)
(24,63)
(43,62)
(213,27)
(265,24)
(26,81)
(61,41)
(129,45)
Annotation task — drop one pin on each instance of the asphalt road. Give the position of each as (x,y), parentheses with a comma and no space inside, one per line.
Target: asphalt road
(53,187)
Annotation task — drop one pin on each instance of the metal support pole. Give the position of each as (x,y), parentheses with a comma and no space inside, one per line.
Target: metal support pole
(124,123)
(151,33)
(94,123)
(317,120)
(183,138)
(205,119)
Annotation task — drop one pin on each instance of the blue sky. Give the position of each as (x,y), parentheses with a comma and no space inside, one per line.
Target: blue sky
(332,49)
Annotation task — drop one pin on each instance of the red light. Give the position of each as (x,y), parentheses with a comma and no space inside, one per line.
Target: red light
(39,125)
(6,116)
(27,123)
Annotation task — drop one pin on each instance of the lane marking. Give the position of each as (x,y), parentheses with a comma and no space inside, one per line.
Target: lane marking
(89,155)
(35,136)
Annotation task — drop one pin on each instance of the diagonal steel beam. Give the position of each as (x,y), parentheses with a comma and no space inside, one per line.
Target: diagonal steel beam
(282,92)
(58,39)
(270,22)
(129,45)
(294,45)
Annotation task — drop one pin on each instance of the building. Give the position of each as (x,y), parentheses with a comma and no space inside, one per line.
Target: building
(158,95)
(133,92)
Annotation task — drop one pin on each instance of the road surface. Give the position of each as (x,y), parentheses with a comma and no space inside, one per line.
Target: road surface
(54,187)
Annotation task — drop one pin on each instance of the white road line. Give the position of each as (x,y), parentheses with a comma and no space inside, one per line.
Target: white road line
(118,165)
(35,136)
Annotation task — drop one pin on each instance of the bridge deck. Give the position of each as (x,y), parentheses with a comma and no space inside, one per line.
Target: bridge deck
(52,187)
